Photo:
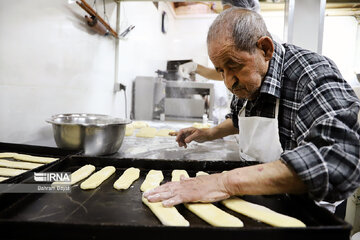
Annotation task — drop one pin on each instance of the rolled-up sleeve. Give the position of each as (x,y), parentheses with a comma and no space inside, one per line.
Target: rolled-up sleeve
(327,158)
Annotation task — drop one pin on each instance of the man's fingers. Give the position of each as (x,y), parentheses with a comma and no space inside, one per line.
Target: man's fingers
(173,133)
(172,201)
(160,196)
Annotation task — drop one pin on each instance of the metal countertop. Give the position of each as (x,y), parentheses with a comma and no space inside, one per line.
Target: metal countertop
(164,147)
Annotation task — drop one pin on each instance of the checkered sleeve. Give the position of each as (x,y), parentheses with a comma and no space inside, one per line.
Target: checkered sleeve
(327,158)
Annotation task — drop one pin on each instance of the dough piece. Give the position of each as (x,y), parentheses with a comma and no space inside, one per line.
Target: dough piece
(3,179)
(214,215)
(168,216)
(201,173)
(127,178)
(146,132)
(152,180)
(10,172)
(261,213)
(79,174)
(27,158)
(175,175)
(129,130)
(207,211)
(201,125)
(97,178)
(139,124)
(164,132)
(20,165)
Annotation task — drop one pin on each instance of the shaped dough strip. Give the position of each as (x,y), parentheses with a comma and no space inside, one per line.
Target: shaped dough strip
(18,164)
(79,175)
(127,178)
(176,174)
(261,213)
(207,211)
(168,216)
(10,172)
(97,178)
(3,179)
(152,180)
(201,173)
(164,132)
(27,158)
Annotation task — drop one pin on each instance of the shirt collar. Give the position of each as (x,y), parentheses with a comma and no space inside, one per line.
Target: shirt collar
(272,81)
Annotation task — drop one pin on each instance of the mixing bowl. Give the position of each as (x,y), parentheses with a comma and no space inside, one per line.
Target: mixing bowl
(95,134)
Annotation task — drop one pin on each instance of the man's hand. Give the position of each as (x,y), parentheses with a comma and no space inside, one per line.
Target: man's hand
(187,68)
(187,135)
(208,188)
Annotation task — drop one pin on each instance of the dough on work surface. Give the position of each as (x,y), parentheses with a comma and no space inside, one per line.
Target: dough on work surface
(164,132)
(201,125)
(207,211)
(97,178)
(214,215)
(168,216)
(201,173)
(129,130)
(27,158)
(79,174)
(3,179)
(146,132)
(127,178)
(261,213)
(152,180)
(139,124)
(18,164)
(10,172)
(175,175)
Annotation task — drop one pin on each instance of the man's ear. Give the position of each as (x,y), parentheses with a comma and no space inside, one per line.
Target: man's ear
(267,46)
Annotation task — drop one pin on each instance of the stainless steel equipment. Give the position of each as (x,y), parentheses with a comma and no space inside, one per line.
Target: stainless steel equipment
(96,134)
(154,97)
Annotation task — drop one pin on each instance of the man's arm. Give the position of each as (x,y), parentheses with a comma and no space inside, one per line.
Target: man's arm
(269,178)
(187,135)
(208,73)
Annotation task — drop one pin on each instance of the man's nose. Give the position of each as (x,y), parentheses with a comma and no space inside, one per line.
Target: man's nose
(229,79)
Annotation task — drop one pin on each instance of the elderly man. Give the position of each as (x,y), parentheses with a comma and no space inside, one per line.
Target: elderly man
(293,111)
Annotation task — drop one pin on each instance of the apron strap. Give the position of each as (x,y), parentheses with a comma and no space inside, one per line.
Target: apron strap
(277,107)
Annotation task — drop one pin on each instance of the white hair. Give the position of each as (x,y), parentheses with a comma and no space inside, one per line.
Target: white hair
(244,27)
(253,5)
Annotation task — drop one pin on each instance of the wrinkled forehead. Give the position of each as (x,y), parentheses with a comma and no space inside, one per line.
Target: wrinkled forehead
(219,47)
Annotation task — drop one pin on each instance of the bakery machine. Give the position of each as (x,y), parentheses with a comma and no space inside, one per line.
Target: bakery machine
(159,98)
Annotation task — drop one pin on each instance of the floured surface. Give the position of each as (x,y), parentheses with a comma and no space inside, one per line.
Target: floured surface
(261,213)
(127,178)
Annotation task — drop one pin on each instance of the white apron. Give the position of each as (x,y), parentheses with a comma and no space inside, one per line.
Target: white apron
(259,137)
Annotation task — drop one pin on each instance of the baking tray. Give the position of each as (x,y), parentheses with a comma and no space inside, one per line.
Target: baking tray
(37,151)
(108,213)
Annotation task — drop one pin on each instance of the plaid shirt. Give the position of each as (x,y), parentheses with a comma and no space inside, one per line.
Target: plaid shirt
(318,125)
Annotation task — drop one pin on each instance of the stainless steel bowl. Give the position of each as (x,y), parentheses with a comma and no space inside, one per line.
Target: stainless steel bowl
(96,134)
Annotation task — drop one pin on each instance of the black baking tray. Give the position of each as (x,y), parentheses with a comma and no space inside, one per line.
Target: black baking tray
(108,213)
(37,151)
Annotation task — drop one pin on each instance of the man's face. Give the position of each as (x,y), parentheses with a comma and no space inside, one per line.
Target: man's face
(242,72)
